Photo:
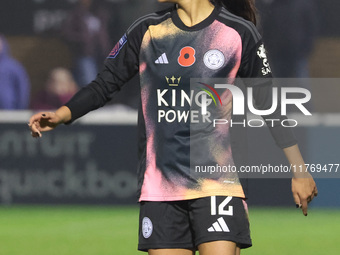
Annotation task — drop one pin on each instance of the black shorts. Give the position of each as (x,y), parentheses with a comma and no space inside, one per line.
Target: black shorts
(189,223)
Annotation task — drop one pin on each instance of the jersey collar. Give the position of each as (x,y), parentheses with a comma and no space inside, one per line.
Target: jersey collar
(205,23)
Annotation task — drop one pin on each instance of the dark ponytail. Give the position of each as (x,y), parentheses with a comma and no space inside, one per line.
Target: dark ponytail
(243,8)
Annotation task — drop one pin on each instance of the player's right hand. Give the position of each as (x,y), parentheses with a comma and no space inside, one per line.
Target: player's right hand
(42,122)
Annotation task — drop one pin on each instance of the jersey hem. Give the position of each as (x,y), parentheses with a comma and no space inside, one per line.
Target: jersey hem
(180,198)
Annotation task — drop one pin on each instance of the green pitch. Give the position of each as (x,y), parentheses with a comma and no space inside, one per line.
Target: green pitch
(113,230)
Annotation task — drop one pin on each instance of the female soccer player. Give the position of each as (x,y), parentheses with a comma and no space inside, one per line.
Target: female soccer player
(182,207)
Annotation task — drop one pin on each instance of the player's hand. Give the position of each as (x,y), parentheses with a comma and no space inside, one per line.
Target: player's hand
(304,190)
(42,122)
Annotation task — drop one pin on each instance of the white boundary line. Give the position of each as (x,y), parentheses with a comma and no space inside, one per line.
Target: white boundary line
(99,117)
(124,116)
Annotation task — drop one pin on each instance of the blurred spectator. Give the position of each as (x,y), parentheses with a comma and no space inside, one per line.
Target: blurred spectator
(60,87)
(14,81)
(289,29)
(86,33)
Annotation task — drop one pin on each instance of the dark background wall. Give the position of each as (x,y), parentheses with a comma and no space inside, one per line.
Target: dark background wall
(96,163)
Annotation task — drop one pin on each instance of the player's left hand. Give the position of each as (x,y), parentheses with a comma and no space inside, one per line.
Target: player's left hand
(304,190)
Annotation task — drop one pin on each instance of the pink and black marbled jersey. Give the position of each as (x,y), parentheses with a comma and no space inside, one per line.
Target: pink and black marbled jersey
(214,49)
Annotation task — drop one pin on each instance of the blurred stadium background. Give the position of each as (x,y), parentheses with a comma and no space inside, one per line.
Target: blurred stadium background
(73,192)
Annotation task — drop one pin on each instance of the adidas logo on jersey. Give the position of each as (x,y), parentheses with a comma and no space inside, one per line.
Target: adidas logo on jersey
(219,226)
(162,59)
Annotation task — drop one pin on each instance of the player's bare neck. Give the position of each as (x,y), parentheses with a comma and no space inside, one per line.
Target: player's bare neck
(192,12)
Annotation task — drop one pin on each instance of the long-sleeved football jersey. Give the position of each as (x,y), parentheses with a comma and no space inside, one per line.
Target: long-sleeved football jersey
(177,137)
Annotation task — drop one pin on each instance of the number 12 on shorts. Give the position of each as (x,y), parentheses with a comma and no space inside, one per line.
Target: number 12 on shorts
(221,208)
